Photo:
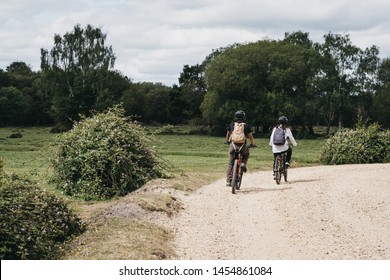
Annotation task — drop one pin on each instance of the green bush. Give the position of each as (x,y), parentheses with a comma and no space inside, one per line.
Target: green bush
(361,145)
(33,223)
(105,156)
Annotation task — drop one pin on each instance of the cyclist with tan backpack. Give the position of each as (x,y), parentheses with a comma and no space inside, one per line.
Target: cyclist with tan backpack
(236,136)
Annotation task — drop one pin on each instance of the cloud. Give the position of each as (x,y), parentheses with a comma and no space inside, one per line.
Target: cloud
(154,39)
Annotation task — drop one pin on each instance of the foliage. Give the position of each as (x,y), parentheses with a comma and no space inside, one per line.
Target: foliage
(76,71)
(105,156)
(193,88)
(346,72)
(154,103)
(381,102)
(360,145)
(34,224)
(12,106)
(16,134)
(22,102)
(265,79)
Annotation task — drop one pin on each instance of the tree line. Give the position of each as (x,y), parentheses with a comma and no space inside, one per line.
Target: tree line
(330,83)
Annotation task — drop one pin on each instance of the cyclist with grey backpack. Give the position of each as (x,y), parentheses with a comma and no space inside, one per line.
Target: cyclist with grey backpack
(278,139)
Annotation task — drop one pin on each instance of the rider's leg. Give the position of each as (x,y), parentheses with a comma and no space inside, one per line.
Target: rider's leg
(274,166)
(245,157)
(289,154)
(230,165)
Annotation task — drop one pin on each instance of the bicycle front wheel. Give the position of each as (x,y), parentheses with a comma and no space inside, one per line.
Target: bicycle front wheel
(235,176)
(239,181)
(285,173)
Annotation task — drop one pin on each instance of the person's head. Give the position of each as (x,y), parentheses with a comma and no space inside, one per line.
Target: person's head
(239,115)
(283,120)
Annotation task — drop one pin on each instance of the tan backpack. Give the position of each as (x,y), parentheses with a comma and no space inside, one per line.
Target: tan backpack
(238,134)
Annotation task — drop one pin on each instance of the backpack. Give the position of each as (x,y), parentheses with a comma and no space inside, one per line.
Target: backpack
(238,134)
(279,136)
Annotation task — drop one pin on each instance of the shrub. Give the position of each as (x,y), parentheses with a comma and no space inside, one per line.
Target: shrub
(33,223)
(105,156)
(16,135)
(361,145)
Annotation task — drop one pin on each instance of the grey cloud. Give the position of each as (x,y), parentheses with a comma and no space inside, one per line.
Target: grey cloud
(153,39)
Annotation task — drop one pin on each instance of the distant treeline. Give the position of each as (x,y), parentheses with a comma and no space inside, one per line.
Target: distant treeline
(333,83)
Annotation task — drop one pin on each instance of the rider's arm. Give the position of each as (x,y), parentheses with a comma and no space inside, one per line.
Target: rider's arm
(250,136)
(271,137)
(291,137)
(228,133)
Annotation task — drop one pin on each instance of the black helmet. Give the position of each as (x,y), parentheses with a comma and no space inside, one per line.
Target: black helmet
(283,120)
(240,115)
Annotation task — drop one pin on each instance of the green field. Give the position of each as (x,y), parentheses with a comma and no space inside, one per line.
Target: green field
(204,154)
(29,154)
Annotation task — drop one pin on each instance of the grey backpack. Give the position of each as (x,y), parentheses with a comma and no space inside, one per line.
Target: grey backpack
(279,136)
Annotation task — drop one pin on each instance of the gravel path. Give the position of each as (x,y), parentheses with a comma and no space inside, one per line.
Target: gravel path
(323,212)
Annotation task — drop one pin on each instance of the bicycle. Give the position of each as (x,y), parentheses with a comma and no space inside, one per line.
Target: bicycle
(236,171)
(280,167)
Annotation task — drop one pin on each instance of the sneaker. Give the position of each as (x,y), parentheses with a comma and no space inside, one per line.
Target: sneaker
(287,164)
(228,183)
(243,167)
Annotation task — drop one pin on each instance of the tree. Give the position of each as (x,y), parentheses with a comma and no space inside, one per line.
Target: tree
(38,101)
(381,101)
(147,102)
(347,71)
(193,87)
(266,79)
(298,38)
(12,106)
(76,70)
(116,86)
(19,68)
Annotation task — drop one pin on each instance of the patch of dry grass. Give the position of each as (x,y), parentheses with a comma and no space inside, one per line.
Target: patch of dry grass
(122,239)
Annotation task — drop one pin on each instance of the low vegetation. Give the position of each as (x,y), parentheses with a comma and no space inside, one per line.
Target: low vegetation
(363,144)
(34,224)
(105,156)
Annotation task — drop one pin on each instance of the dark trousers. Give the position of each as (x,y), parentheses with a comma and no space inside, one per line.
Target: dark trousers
(245,156)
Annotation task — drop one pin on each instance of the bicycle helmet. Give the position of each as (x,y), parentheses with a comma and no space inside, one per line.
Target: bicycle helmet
(240,115)
(283,120)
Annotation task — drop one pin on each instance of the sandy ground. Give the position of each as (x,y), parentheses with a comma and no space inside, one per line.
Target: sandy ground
(323,212)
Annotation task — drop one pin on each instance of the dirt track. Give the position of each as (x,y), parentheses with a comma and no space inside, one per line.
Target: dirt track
(324,212)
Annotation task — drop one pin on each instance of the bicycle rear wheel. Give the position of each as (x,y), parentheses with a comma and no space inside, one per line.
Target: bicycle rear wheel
(235,176)
(278,175)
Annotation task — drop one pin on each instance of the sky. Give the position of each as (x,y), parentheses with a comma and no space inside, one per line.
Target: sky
(154,39)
